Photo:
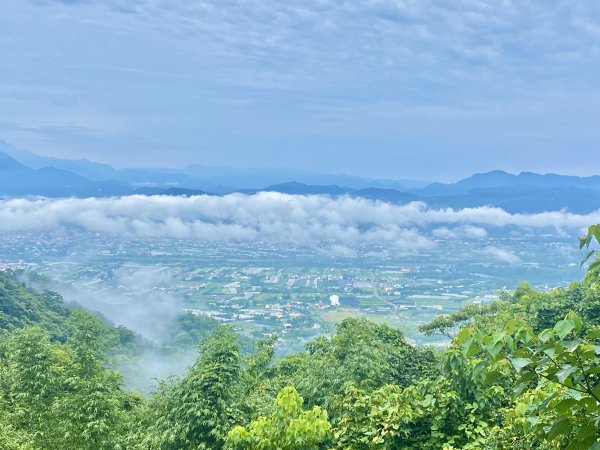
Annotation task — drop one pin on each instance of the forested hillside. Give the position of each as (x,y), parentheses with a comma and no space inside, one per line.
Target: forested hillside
(521,373)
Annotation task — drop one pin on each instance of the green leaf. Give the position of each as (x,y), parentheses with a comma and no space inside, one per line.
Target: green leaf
(560,427)
(565,405)
(595,231)
(587,256)
(520,363)
(546,335)
(564,327)
(585,241)
(492,376)
(595,334)
(565,373)
(494,349)
(594,265)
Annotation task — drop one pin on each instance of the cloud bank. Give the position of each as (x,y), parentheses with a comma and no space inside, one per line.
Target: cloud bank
(273,217)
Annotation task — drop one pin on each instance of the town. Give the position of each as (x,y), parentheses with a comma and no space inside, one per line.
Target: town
(262,289)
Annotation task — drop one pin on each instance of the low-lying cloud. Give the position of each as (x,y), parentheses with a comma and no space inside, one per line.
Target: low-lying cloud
(273,217)
(503,255)
(464,231)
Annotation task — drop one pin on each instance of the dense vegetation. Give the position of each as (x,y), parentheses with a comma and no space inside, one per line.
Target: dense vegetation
(521,373)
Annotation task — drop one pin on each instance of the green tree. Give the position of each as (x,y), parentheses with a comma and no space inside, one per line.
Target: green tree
(454,409)
(556,383)
(361,353)
(57,398)
(289,427)
(449,324)
(197,411)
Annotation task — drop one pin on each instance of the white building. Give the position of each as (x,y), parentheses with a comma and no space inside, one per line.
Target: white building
(335,300)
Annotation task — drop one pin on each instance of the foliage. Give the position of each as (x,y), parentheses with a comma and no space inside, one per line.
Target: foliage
(585,241)
(454,409)
(289,427)
(449,324)
(189,330)
(59,395)
(556,384)
(21,307)
(197,411)
(361,353)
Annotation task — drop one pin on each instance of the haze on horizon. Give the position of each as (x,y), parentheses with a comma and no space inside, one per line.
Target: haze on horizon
(379,88)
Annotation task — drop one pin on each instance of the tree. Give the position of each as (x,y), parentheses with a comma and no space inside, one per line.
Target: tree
(290,427)
(55,397)
(362,353)
(197,411)
(449,324)
(556,383)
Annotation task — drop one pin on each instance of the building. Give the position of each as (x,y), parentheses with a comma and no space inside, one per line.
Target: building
(335,300)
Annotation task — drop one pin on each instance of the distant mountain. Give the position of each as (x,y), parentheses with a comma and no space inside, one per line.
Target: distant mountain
(163,179)
(23,173)
(258,178)
(297,188)
(514,199)
(499,178)
(219,180)
(81,167)
(523,199)
(372,193)
(387,195)
(7,162)
(172,191)
(19,180)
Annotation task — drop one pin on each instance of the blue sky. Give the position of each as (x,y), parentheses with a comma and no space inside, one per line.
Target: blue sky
(387,88)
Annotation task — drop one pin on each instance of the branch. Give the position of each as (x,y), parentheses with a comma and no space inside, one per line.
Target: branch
(585,377)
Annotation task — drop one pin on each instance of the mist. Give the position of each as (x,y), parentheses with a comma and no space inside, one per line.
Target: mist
(343,227)
(136,303)
(273,217)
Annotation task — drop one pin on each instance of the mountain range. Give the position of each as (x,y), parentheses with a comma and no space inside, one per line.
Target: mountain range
(23,173)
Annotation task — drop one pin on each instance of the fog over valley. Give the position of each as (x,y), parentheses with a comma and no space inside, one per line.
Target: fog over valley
(272,263)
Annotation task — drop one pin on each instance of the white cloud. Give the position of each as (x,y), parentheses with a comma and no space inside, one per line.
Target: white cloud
(465,231)
(475,232)
(503,255)
(273,216)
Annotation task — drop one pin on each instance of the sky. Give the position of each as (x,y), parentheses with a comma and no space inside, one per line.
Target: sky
(425,89)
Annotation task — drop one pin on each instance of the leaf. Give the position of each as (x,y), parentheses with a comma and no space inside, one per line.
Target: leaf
(576,320)
(565,405)
(561,426)
(587,256)
(492,376)
(595,334)
(595,264)
(520,363)
(585,241)
(494,349)
(564,327)
(595,231)
(565,373)
(464,334)
(545,335)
